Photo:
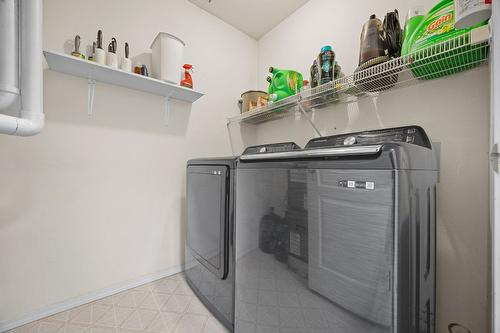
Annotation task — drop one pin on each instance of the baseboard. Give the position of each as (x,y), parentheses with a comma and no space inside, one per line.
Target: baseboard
(84,299)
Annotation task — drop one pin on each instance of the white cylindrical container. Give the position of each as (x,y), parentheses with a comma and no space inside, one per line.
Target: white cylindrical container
(112,60)
(167,57)
(126,64)
(9,53)
(100,56)
(471,12)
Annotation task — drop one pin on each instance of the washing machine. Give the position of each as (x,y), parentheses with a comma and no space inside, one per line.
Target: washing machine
(209,250)
(339,236)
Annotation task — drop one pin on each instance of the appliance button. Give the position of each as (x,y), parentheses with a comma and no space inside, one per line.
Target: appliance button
(410,138)
(349,141)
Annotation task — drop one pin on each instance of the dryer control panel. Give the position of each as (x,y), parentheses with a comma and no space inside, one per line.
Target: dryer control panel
(409,134)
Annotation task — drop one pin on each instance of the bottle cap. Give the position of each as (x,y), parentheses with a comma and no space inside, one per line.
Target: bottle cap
(415,11)
(326,48)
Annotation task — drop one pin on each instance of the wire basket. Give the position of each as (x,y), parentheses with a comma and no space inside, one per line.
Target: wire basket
(447,58)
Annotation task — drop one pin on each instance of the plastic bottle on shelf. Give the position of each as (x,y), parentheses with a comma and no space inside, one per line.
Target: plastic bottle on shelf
(314,74)
(372,44)
(413,18)
(187,80)
(326,61)
(337,70)
(283,83)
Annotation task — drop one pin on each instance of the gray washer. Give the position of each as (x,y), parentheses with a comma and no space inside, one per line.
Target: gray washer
(336,237)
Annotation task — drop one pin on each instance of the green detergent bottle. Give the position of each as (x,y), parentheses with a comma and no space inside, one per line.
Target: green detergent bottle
(413,19)
(283,83)
(435,29)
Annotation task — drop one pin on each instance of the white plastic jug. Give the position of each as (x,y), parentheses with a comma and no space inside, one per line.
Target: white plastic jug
(167,58)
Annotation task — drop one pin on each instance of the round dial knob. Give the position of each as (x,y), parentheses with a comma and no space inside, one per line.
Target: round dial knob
(349,141)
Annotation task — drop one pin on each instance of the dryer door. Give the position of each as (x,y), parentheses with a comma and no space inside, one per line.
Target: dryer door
(207,216)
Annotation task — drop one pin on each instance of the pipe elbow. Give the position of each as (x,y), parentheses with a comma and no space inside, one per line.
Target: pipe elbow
(29,45)
(30,126)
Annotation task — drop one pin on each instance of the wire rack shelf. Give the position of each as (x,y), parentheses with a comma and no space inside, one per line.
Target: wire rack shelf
(455,55)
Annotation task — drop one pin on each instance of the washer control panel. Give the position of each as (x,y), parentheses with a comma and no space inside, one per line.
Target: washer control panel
(350,140)
(271,148)
(409,134)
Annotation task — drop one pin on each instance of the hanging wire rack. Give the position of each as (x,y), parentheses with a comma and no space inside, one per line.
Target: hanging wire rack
(455,55)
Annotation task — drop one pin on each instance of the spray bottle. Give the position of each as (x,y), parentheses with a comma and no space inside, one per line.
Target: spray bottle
(188,79)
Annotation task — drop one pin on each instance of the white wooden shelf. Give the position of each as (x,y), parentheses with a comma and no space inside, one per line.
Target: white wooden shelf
(94,72)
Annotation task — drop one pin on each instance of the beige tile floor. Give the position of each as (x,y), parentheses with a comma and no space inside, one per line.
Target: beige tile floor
(164,306)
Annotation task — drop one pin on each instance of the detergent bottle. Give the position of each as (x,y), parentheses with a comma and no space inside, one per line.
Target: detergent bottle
(283,83)
(436,27)
(188,79)
(326,64)
(413,19)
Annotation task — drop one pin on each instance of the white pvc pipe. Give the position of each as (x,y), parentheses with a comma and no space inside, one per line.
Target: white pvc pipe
(31,120)
(9,64)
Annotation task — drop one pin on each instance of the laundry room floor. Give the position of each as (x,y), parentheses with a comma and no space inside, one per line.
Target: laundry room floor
(164,306)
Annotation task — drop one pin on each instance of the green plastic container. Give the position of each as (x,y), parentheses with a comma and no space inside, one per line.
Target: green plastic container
(438,49)
(284,83)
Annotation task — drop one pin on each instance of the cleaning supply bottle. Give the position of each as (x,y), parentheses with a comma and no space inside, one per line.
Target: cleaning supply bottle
(337,71)
(274,94)
(438,27)
(283,83)
(372,43)
(188,79)
(314,74)
(413,19)
(326,60)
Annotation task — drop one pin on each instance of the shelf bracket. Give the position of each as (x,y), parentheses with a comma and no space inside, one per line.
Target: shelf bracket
(301,108)
(166,115)
(90,96)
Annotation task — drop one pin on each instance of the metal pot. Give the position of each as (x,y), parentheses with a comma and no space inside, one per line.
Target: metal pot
(249,99)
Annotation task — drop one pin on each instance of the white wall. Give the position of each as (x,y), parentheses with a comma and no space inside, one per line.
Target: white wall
(97,201)
(454,112)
